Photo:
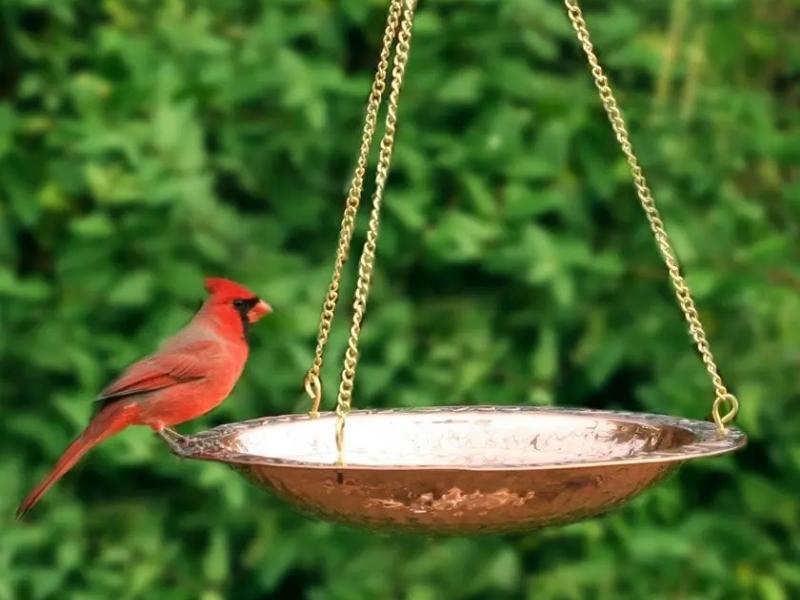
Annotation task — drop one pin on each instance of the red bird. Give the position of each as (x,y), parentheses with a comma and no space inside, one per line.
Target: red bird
(191,374)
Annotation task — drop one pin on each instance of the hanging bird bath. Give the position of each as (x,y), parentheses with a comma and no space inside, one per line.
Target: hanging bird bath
(463,469)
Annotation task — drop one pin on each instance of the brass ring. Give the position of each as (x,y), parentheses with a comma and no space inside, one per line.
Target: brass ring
(722,420)
(314,390)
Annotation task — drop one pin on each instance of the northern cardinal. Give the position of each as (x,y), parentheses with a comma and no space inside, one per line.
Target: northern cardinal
(189,375)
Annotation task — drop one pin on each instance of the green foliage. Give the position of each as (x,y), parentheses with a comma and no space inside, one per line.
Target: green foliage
(144,144)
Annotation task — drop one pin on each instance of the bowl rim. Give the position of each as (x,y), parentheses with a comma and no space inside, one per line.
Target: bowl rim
(219,444)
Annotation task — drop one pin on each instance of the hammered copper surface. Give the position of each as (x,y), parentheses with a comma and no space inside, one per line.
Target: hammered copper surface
(461,469)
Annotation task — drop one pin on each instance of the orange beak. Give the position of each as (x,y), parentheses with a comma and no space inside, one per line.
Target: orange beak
(259,310)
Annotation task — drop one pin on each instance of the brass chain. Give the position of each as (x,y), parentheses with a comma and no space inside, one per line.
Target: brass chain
(401,14)
(312,381)
(682,292)
(367,260)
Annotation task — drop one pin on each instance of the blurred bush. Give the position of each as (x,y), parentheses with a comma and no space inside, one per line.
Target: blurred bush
(144,144)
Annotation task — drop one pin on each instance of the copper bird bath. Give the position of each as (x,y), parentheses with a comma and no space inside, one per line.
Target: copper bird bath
(463,469)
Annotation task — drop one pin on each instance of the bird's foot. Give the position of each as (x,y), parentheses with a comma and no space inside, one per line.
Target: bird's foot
(174,440)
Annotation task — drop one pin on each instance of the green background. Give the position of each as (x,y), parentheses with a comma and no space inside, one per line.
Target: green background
(144,144)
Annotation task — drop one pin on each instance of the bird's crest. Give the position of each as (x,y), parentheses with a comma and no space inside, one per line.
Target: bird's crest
(222,288)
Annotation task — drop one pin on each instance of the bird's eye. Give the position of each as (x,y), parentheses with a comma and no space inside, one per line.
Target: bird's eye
(239,304)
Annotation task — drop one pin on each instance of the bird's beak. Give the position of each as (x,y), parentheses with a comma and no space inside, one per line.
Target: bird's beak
(259,310)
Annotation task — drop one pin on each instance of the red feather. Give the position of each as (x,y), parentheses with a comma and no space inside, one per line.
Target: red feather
(162,370)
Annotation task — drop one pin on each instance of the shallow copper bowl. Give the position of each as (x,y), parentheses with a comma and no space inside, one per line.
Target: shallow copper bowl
(461,469)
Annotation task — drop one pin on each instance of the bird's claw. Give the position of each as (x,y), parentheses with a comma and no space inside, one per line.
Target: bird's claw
(176,442)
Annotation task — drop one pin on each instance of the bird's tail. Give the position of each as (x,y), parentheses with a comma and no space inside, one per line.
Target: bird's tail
(105,424)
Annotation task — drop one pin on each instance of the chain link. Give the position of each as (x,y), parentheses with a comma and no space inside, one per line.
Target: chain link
(367,260)
(723,397)
(312,382)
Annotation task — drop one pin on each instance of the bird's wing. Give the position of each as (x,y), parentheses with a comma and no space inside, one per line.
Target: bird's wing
(162,370)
